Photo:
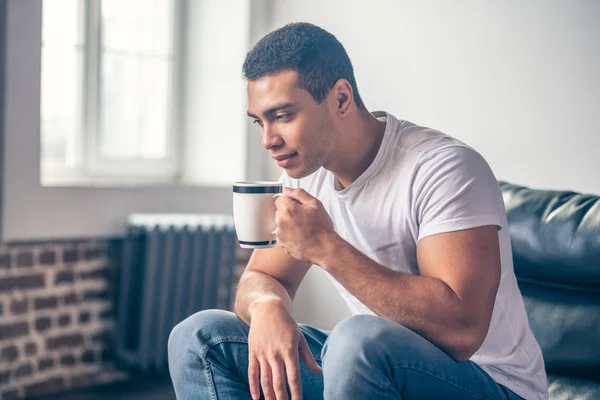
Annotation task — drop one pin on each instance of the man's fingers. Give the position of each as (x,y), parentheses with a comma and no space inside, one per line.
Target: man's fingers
(292,370)
(278,374)
(253,373)
(307,357)
(266,380)
(301,196)
(283,201)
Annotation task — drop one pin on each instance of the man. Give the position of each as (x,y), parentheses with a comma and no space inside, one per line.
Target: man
(409,224)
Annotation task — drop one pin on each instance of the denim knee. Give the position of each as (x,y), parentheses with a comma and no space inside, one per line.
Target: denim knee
(348,338)
(196,331)
(189,344)
(366,339)
(374,340)
(199,328)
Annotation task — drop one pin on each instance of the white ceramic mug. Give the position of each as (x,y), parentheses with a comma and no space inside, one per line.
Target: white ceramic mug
(254,213)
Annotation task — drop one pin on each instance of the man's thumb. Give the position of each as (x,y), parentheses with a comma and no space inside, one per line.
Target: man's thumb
(307,356)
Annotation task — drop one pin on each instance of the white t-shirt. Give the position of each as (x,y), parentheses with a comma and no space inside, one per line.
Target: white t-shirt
(424,182)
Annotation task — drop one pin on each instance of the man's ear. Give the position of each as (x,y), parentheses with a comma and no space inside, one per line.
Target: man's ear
(343,96)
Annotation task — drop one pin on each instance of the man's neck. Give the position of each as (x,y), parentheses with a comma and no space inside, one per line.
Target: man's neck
(358,148)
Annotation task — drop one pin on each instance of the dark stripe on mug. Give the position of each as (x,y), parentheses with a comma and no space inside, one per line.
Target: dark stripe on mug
(265,243)
(257,189)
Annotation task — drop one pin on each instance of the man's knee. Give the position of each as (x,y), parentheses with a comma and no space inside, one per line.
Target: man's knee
(196,330)
(368,338)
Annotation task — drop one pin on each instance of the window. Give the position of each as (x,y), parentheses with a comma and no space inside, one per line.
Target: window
(108,91)
(211,118)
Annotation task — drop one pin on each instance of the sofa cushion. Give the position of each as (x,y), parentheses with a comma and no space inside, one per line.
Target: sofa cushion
(566,324)
(562,388)
(555,238)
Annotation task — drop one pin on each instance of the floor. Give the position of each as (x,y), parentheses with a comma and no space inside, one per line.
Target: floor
(159,389)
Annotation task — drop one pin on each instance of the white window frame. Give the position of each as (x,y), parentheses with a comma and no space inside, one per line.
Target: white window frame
(31,212)
(92,167)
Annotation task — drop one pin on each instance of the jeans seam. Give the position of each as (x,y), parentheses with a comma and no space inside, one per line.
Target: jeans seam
(202,355)
(218,340)
(209,381)
(207,372)
(479,396)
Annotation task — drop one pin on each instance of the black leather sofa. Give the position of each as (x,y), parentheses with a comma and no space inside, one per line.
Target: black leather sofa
(555,238)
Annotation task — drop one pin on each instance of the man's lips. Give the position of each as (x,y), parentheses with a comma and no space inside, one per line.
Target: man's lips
(284,160)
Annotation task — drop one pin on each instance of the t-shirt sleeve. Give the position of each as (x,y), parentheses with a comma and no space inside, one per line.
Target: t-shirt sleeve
(455,189)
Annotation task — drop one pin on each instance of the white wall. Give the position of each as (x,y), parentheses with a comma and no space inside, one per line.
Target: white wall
(218,40)
(519,81)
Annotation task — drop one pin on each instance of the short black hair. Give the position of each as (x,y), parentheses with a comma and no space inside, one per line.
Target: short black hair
(315,54)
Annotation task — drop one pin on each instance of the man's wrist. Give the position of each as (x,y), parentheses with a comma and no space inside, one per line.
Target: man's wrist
(267,302)
(330,246)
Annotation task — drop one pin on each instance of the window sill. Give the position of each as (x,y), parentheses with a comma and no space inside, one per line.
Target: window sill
(107,182)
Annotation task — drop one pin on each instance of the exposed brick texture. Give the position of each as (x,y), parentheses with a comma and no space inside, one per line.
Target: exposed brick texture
(64,341)
(57,316)
(64,277)
(70,256)
(44,303)
(31,348)
(43,323)
(94,253)
(19,306)
(9,354)
(45,340)
(71,298)
(92,295)
(24,370)
(45,363)
(67,359)
(100,273)
(85,317)
(25,260)
(104,337)
(64,320)
(5,261)
(48,257)
(88,356)
(47,386)
(21,282)
(13,330)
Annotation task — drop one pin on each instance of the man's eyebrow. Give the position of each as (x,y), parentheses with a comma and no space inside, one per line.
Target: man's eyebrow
(272,110)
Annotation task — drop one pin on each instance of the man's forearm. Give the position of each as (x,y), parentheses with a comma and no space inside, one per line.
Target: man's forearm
(423,304)
(256,289)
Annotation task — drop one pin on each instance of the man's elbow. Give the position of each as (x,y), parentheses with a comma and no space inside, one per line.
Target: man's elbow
(468,341)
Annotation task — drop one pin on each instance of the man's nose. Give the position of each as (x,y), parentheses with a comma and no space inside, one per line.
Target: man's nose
(270,138)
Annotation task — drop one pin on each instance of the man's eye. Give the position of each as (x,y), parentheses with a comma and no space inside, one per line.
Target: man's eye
(282,116)
(256,121)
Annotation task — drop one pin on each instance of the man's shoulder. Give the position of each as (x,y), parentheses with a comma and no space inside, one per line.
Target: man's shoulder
(428,142)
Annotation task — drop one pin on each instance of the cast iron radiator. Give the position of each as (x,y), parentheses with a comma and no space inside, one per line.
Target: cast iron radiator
(173,266)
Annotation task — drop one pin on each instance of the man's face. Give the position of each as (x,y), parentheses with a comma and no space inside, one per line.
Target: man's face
(297,131)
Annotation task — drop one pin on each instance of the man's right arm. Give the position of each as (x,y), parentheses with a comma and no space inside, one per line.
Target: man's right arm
(275,342)
(271,278)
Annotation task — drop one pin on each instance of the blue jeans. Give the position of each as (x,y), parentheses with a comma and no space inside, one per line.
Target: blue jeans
(363,357)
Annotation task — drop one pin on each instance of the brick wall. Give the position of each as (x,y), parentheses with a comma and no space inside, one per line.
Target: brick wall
(56,317)
(57,320)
